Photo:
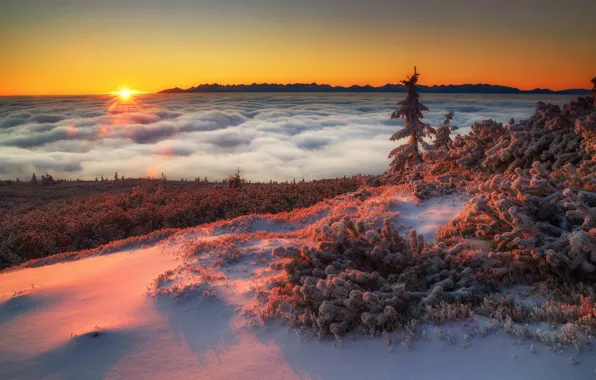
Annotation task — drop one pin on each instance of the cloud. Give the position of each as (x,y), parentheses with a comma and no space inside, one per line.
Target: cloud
(35,139)
(20,163)
(37,128)
(46,118)
(12,121)
(312,143)
(174,148)
(272,136)
(67,167)
(228,139)
(146,134)
(157,131)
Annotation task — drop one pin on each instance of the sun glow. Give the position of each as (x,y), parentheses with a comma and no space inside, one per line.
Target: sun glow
(125,94)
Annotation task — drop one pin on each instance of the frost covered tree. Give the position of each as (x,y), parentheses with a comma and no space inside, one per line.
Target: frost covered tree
(594,92)
(410,110)
(442,133)
(47,179)
(235,180)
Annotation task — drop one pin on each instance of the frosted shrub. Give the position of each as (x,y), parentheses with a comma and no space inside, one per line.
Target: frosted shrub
(532,223)
(370,279)
(442,138)
(533,204)
(561,139)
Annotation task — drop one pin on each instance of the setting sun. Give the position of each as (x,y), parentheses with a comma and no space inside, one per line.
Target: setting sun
(125,94)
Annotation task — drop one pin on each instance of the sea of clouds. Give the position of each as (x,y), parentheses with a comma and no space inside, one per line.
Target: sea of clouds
(269,136)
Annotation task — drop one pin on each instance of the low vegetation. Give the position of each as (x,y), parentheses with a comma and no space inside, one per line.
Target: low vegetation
(30,229)
(533,212)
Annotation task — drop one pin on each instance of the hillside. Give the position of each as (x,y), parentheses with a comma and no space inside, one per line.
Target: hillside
(37,220)
(181,308)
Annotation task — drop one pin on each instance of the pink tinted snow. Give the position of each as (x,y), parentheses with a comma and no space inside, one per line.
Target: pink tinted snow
(93,319)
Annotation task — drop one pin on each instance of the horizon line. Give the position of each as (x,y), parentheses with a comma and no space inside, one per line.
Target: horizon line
(112,93)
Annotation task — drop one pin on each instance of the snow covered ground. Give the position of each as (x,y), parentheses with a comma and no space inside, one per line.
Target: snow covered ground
(166,312)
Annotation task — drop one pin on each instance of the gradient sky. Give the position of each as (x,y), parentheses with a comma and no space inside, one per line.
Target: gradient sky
(90,47)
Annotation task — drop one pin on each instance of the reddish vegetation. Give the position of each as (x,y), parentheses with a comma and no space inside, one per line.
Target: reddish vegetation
(29,231)
(533,212)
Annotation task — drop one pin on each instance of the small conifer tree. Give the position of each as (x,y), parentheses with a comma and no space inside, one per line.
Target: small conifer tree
(235,181)
(442,133)
(47,179)
(410,110)
(34,179)
(594,92)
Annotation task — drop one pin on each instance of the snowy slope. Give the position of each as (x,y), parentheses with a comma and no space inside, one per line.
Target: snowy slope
(166,312)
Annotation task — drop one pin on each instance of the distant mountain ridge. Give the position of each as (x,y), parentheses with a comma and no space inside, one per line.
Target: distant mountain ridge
(314,87)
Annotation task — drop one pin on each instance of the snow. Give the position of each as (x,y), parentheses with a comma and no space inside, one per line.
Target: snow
(97,318)
(426,216)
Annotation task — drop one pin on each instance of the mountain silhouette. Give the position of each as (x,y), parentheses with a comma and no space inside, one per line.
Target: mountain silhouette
(314,87)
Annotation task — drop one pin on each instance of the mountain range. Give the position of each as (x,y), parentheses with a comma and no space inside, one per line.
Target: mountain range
(314,87)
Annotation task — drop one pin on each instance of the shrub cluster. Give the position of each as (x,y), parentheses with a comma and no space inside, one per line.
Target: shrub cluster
(369,279)
(534,208)
(29,231)
(561,139)
(360,277)
(534,222)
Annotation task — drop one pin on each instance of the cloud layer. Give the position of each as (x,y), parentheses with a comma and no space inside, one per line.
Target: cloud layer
(269,136)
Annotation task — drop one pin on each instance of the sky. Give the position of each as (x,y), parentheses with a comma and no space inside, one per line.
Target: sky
(95,47)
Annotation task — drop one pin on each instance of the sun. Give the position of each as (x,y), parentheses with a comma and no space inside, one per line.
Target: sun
(125,94)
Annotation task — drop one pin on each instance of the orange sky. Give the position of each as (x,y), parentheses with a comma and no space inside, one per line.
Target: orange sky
(79,47)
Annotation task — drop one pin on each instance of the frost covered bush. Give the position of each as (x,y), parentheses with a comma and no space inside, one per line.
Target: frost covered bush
(367,278)
(548,137)
(370,279)
(534,222)
(561,139)
(534,206)
(442,138)
(469,151)
(553,136)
